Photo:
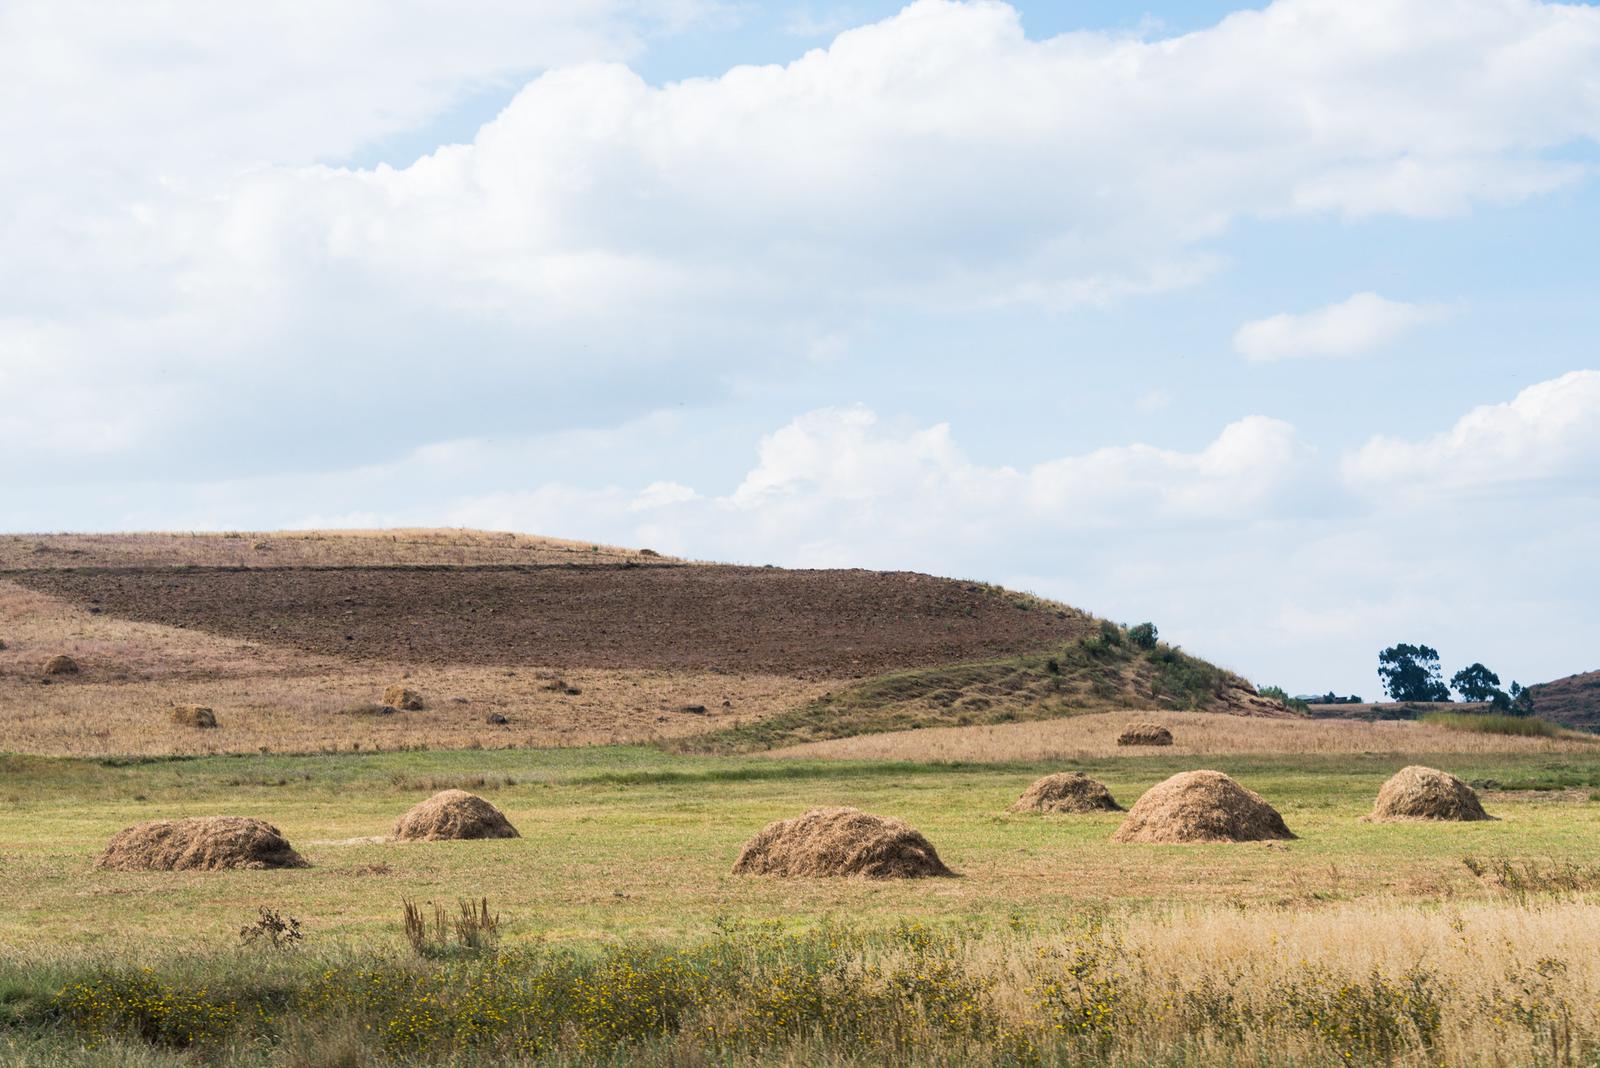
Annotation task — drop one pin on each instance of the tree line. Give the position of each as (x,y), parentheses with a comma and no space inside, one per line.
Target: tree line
(1412,673)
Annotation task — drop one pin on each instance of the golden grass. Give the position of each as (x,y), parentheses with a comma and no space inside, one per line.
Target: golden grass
(279,699)
(1194,733)
(303,548)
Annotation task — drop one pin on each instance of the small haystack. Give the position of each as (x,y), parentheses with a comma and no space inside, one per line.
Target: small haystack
(1144,734)
(1419,793)
(1067,791)
(403,697)
(61,664)
(453,814)
(1201,806)
(193,716)
(209,843)
(840,842)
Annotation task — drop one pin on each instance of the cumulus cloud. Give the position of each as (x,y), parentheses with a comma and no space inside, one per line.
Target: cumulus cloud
(1351,327)
(1549,431)
(604,229)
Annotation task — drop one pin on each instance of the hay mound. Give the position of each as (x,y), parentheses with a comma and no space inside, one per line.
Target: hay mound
(1419,793)
(193,716)
(1144,734)
(1067,791)
(453,814)
(209,843)
(1201,806)
(840,842)
(61,664)
(398,696)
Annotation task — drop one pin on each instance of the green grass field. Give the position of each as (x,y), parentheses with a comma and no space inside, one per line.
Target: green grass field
(620,841)
(620,889)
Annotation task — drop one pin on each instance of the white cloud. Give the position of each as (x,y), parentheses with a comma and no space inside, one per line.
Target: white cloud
(1351,327)
(603,228)
(1549,431)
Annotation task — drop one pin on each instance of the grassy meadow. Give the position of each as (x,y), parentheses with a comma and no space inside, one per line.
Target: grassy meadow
(624,939)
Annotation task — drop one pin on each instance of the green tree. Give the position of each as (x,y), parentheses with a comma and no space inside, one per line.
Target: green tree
(1411,673)
(1475,683)
(1143,635)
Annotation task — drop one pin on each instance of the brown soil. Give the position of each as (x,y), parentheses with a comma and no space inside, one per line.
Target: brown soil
(302,548)
(1419,793)
(1201,806)
(202,844)
(453,814)
(1067,791)
(1144,734)
(840,842)
(193,716)
(811,624)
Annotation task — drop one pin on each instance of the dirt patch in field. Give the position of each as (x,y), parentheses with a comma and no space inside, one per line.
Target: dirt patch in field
(810,624)
(840,842)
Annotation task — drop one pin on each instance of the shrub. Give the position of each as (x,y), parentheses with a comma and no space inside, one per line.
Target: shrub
(1143,635)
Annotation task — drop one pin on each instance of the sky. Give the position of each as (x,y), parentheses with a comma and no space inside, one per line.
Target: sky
(1272,324)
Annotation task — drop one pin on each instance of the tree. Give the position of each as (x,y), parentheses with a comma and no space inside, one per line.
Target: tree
(1411,673)
(1143,635)
(1475,683)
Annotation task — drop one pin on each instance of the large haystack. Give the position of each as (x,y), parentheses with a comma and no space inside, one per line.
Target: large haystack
(1067,791)
(208,843)
(1144,734)
(61,664)
(1419,793)
(453,814)
(193,716)
(403,697)
(840,842)
(1201,806)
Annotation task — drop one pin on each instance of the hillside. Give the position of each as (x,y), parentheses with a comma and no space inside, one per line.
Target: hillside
(1572,702)
(519,641)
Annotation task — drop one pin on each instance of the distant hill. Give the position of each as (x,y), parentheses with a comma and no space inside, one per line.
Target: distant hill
(1572,702)
(519,640)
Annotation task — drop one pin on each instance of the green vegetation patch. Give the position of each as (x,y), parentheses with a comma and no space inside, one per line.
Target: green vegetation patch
(1492,723)
(1110,669)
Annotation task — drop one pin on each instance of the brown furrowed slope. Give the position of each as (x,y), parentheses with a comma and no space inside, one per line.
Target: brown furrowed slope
(810,624)
(1572,702)
(304,548)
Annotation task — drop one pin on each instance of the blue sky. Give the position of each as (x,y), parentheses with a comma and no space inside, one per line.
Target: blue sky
(1277,329)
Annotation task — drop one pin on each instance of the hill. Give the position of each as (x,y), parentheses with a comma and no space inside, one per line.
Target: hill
(1572,702)
(520,641)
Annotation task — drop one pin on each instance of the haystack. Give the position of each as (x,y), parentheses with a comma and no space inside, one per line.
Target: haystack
(1144,734)
(1419,793)
(209,843)
(61,664)
(1201,806)
(1067,791)
(398,696)
(453,814)
(193,716)
(840,842)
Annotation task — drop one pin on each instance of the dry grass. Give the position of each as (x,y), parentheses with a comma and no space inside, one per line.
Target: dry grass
(1197,733)
(304,548)
(279,699)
